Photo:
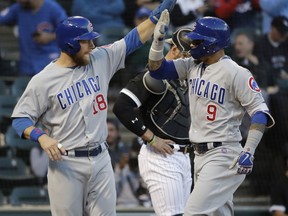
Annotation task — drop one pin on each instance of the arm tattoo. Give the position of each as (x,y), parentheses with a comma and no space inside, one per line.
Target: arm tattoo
(154,65)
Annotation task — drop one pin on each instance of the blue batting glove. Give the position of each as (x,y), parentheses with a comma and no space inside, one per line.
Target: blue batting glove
(156,13)
(244,163)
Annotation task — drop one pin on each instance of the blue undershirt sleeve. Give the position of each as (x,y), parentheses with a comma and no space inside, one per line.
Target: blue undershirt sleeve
(259,118)
(132,41)
(167,70)
(20,124)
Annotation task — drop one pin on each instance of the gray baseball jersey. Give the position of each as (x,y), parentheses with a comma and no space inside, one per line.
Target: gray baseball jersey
(72,105)
(72,102)
(219,98)
(219,95)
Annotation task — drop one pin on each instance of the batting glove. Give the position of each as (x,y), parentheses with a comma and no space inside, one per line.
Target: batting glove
(244,163)
(156,50)
(156,13)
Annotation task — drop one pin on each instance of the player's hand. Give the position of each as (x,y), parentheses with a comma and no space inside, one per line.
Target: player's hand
(123,160)
(162,146)
(165,5)
(52,147)
(161,27)
(244,163)
(156,51)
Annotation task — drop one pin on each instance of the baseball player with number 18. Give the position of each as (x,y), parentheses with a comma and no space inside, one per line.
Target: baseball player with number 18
(69,98)
(220,91)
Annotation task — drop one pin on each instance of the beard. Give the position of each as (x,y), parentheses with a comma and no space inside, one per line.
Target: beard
(26,5)
(81,60)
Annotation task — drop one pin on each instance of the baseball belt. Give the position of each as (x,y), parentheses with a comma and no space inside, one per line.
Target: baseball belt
(202,148)
(93,152)
(182,148)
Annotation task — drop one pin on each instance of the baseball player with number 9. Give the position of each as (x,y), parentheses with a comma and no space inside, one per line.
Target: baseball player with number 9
(220,92)
(69,98)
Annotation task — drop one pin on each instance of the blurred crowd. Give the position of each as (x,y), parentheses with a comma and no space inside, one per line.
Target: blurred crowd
(259,42)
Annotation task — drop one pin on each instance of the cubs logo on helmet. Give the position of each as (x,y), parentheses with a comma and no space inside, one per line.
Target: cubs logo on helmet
(71,31)
(212,33)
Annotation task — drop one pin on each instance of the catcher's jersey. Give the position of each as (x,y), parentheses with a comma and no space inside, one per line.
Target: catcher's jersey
(72,102)
(165,113)
(219,96)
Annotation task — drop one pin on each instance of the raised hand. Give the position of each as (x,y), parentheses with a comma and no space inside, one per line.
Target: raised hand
(165,5)
(156,50)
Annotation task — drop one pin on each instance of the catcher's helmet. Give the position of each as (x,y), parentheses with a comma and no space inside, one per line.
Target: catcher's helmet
(213,34)
(71,31)
(179,39)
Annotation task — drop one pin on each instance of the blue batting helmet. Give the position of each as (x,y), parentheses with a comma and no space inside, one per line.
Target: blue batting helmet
(213,34)
(71,31)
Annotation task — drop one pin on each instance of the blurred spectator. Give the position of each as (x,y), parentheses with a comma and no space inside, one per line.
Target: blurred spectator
(128,15)
(150,4)
(141,15)
(137,62)
(132,6)
(271,9)
(186,11)
(39,164)
(118,150)
(237,13)
(279,194)
(131,190)
(244,56)
(261,70)
(36,21)
(273,48)
(102,14)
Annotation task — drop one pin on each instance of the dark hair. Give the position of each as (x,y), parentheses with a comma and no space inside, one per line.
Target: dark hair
(281,24)
(114,121)
(249,33)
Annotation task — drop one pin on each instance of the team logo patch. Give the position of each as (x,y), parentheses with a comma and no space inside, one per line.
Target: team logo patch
(253,84)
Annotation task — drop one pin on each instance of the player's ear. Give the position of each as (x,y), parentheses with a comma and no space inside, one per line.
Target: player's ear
(174,50)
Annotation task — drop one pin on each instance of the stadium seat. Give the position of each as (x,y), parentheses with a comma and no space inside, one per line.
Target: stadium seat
(19,85)
(13,140)
(110,35)
(12,167)
(9,67)
(7,104)
(4,89)
(2,198)
(13,173)
(34,195)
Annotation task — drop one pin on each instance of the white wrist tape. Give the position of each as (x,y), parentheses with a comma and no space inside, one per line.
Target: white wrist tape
(156,53)
(253,139)
(156,50)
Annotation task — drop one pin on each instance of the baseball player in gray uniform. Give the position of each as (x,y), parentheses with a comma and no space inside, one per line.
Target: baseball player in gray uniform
(220,92)
(69,97)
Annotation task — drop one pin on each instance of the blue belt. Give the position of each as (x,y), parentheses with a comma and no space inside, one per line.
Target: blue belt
(93,152)
(202,148)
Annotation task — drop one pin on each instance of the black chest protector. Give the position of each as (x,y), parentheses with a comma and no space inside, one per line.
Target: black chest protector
(168,112)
